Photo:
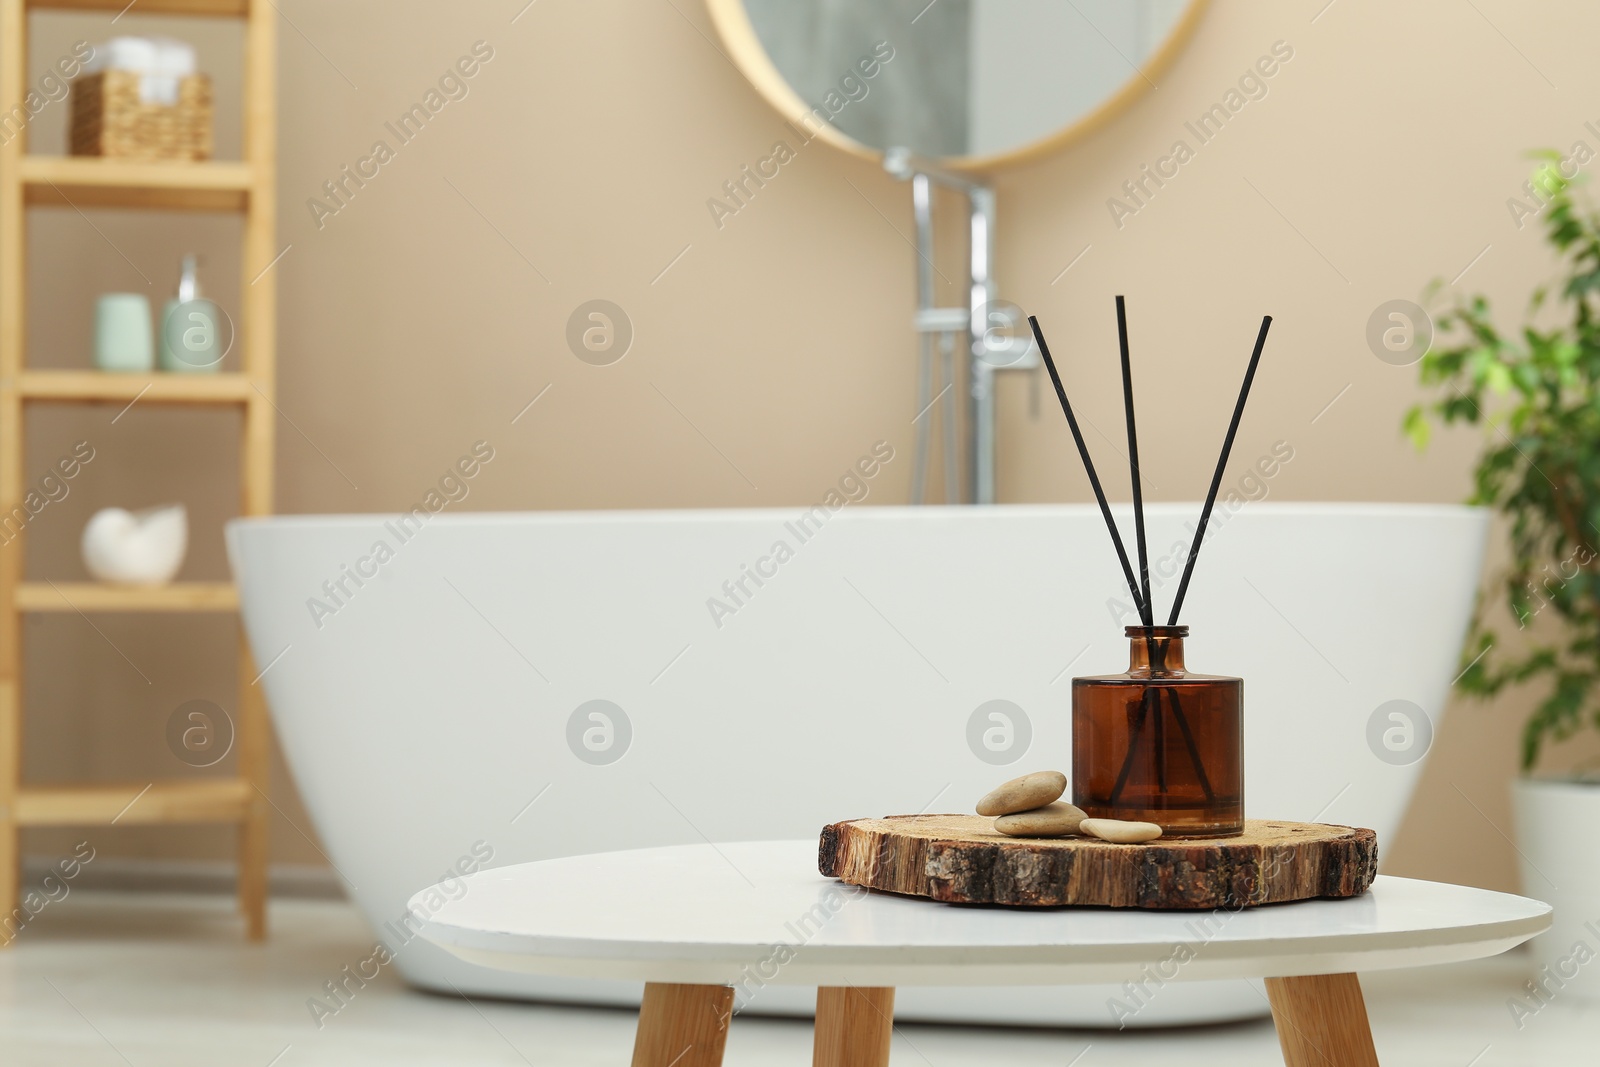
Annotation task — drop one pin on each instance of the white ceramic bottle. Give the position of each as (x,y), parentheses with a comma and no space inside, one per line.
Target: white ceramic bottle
(191,326)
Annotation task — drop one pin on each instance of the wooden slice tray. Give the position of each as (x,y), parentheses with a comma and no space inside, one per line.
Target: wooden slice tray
(960,859)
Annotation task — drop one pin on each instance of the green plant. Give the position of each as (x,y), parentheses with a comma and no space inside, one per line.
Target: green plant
(1537,392)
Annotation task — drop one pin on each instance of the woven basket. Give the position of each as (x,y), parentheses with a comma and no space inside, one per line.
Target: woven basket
(109,118)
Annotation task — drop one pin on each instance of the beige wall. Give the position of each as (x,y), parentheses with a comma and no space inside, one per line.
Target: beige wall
(428,311)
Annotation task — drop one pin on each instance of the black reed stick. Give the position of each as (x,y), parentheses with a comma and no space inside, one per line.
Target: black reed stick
(1160,740)
(1150,699)
(1194,750)
(1146,608)
(1148,696)
(1222,462)
(1088,466)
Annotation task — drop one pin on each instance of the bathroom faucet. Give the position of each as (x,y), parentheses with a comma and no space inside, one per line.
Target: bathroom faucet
(981,321)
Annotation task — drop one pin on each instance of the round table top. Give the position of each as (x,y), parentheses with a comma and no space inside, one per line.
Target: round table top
(759,912)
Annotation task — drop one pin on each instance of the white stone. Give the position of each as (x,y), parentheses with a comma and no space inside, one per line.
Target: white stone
(1123,833)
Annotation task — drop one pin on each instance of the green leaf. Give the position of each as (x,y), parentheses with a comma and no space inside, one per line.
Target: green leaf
(1417,428)
(1497,377)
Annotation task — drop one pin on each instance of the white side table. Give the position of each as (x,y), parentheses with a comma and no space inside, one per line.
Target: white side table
(700,923)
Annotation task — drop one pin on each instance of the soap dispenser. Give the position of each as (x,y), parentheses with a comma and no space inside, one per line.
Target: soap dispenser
(191,328)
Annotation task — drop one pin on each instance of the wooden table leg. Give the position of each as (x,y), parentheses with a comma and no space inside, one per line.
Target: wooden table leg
(1322,1021)
(853,1026)
(682,1025)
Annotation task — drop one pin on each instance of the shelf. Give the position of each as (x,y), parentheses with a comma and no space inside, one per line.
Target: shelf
(86,181)
(65,186)
(101,597)
(128,804)
(152,387)
(235,8)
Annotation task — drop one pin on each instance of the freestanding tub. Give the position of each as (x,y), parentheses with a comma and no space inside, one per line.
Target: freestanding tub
(494,688)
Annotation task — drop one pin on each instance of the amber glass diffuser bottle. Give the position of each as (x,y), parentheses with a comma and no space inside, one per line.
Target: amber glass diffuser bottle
(1160,744)
(1157,744)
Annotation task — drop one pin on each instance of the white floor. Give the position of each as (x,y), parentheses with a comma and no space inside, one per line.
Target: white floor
(141,980)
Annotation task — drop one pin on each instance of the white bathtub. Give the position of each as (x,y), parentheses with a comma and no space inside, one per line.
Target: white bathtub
(427,710)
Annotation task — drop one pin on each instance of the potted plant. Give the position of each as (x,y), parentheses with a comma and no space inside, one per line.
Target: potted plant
(1538,392)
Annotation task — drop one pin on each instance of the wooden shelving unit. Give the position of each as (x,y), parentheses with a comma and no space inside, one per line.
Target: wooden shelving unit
(246,187)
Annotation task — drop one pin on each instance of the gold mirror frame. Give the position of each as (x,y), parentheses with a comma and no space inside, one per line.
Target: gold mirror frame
(745,48)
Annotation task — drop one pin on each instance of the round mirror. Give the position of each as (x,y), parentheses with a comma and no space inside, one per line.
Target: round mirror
(970,83)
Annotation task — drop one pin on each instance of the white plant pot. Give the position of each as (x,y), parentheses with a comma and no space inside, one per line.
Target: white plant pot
(1560,858)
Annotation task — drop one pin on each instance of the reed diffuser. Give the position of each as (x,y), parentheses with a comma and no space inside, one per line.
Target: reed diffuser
(1157,743)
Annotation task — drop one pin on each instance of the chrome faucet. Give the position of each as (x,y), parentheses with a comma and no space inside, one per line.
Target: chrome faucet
(995,333)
